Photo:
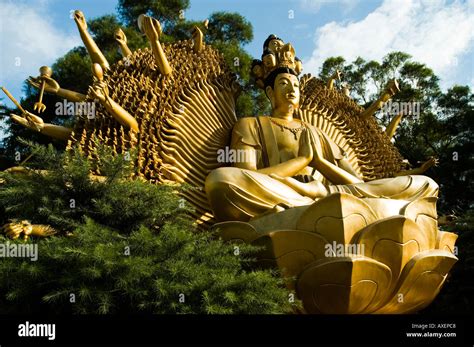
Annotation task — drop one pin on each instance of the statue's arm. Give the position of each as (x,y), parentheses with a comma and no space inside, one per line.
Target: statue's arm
(100,91)
(92,48)
(152,29)
(51,86)
(56,131)
(419,170)
(36,123)
(346,166)
(335,174)
(288,168)
(71,95)
(120,114)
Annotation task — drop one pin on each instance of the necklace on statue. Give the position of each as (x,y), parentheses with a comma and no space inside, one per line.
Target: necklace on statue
(295,131)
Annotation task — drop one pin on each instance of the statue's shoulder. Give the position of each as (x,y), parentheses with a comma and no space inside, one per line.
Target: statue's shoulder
(246,121)
(246,130)
(246,124)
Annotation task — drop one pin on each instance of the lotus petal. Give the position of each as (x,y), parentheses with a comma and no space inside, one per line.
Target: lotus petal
(345,285)
(445,241)
(338,217)
(393,241)
(285,220)
(290,250)
(420,282)
(423,212)
(235,231)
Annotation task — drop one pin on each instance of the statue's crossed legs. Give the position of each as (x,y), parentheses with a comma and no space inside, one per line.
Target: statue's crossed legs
(239,194)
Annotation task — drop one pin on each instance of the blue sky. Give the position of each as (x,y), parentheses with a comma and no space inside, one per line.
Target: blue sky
(439,33)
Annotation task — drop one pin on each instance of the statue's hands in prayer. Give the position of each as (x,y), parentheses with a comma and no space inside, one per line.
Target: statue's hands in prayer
(317,155)
(305,147)
(50,85)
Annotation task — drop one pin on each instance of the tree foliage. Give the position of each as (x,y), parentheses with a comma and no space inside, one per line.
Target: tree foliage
(167,12)
(126,246)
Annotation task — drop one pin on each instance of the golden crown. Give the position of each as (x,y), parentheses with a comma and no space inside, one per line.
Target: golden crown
(277,57)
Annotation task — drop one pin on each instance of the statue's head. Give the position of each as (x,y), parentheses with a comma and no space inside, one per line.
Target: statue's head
(272,43)
(282,88)
(277,73)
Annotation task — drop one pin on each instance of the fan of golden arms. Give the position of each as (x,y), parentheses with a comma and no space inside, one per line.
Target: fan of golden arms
(316,182)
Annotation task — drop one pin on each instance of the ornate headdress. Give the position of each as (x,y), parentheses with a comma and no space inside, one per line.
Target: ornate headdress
(277,58)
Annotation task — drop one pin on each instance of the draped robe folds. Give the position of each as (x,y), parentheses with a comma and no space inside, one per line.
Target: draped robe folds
(241,194)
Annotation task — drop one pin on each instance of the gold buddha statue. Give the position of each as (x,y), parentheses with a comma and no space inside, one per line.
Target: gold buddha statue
(290,162)
(318,173)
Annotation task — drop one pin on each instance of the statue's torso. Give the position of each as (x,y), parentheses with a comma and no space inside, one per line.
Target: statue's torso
(280,146)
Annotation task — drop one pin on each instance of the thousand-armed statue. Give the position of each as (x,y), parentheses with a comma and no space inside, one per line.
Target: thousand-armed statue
(317,182)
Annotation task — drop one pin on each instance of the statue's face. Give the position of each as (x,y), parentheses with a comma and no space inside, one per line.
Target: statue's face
(275,45)
(286,91)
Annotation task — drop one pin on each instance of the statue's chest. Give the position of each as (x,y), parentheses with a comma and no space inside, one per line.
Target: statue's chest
(288,144)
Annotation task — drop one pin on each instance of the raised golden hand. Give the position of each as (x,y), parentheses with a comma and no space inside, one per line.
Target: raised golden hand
(121,39)
(150,27)
(99,91)
(120,36)
(45,73)
(80,19)
(94,51)
(50,85)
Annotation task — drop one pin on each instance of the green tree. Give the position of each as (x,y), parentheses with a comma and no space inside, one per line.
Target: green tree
(167,12)
(125,246)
